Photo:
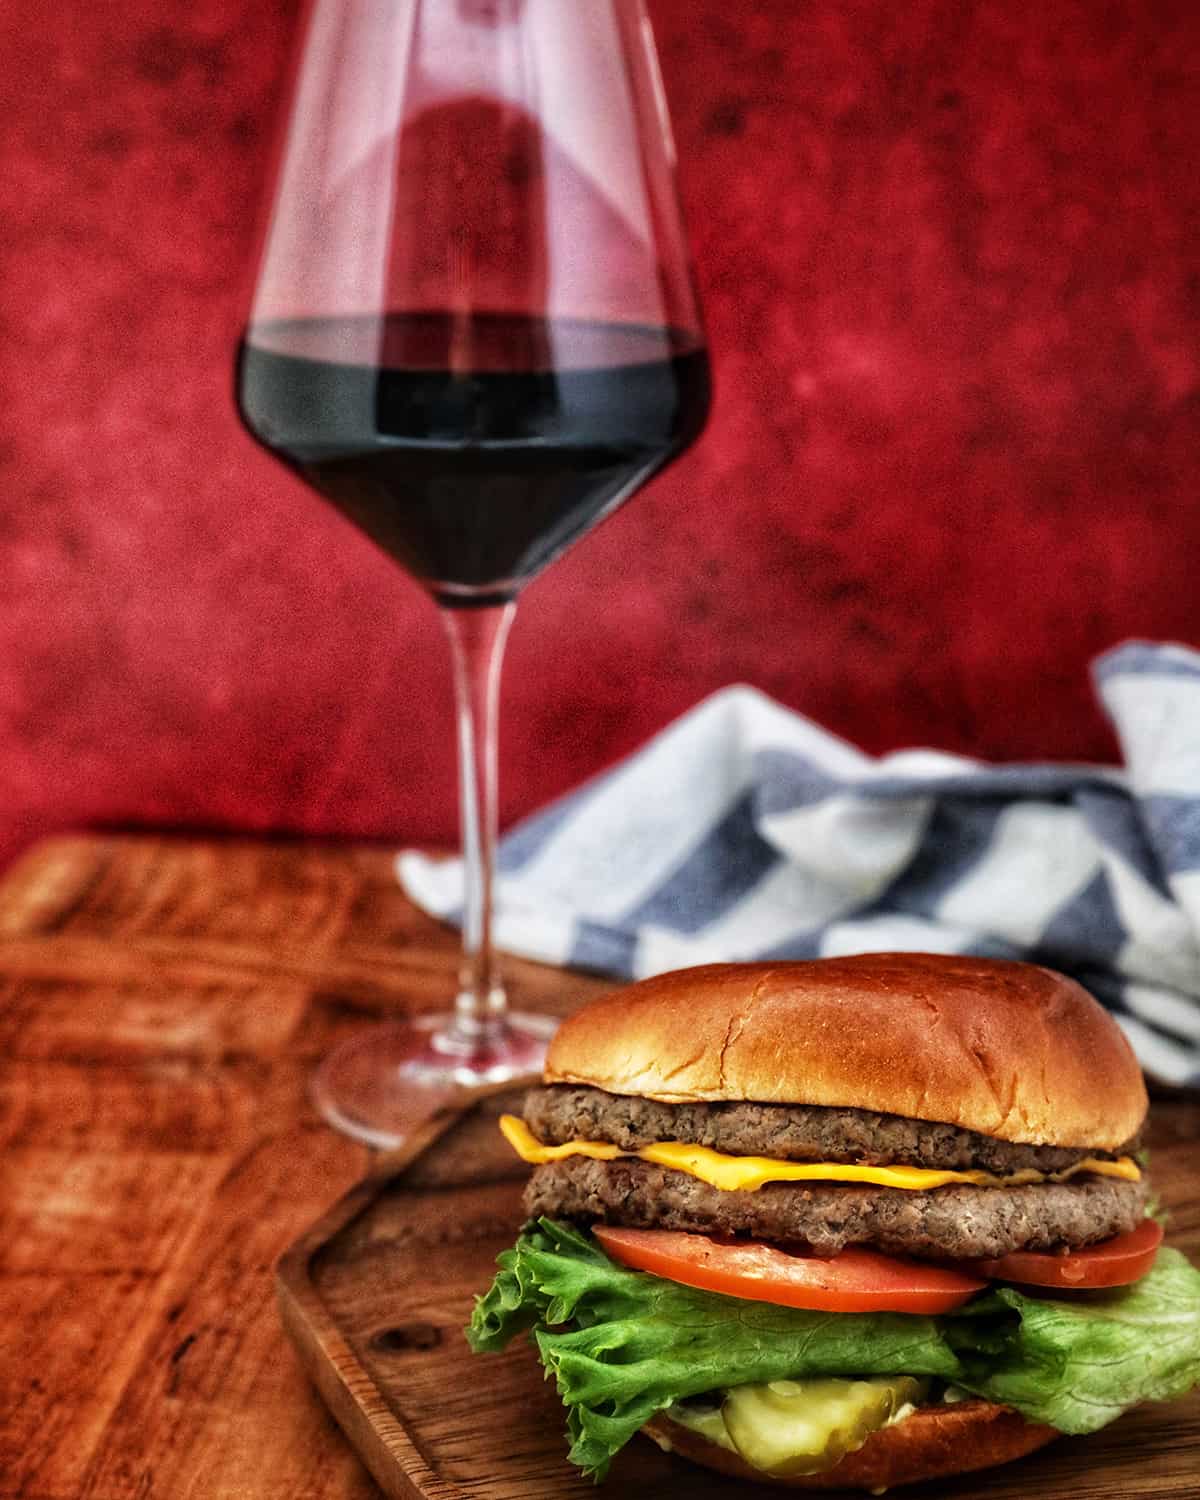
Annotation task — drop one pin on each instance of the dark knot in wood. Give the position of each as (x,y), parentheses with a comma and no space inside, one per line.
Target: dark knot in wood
(407,1337)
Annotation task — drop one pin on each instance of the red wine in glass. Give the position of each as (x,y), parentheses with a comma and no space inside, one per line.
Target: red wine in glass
(473,479)
(474,332)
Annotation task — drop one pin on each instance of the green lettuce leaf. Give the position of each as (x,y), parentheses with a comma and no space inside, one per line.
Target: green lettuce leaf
(1078,1363)
(635,1343)
(622,1345)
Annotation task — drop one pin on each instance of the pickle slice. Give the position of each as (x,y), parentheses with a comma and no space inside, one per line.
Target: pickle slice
(706,1420)
(793,1427)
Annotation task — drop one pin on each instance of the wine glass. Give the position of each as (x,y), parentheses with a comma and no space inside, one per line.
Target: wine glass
(474,331)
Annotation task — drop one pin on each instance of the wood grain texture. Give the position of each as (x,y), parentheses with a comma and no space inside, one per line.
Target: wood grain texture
(376,1294)
(162,1003)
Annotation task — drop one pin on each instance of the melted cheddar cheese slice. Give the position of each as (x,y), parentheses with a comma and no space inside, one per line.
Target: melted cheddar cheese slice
(748,1173)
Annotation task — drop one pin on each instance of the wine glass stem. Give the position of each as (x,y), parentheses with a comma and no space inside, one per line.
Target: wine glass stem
(477,640)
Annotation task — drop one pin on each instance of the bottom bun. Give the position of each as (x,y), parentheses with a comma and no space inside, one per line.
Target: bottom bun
(932,1443)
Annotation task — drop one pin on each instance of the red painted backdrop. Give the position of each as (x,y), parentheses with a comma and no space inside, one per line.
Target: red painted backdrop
(950,258)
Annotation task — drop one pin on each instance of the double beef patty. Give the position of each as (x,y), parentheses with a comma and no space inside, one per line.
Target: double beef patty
(955,1222)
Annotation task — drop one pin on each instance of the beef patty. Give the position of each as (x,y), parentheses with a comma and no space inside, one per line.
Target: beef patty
(794,1132)
(958,1223)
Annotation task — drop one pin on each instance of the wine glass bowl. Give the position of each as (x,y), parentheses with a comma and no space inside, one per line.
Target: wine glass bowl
(474,331)
(473,452)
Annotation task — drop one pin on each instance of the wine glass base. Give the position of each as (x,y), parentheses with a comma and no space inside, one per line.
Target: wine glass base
(379,1086)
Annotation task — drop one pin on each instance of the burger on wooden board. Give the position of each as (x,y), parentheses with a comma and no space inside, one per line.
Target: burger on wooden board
(851,1222)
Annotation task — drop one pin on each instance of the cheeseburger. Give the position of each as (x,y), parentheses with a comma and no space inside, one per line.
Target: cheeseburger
(851,1222)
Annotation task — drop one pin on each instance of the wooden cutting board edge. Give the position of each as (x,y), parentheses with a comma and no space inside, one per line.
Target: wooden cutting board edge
(352,1396)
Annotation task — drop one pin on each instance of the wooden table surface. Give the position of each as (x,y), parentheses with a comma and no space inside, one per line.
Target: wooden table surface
(162,1005)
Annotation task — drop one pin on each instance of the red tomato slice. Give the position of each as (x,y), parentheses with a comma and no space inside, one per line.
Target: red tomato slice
(1115,1262)
(852,1281)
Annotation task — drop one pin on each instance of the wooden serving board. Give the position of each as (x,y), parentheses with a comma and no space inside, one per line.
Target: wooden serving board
(375,1297)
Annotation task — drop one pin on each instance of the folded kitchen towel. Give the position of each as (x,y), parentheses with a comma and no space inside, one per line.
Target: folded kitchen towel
(744,831)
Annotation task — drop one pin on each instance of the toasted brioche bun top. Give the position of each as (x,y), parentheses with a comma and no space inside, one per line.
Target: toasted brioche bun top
(1010,1050)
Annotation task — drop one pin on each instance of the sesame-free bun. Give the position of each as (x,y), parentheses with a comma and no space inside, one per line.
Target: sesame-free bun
(1010,1050)
(934,1442)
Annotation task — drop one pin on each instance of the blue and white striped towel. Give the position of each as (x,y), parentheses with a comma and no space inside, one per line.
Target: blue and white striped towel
(744,831)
